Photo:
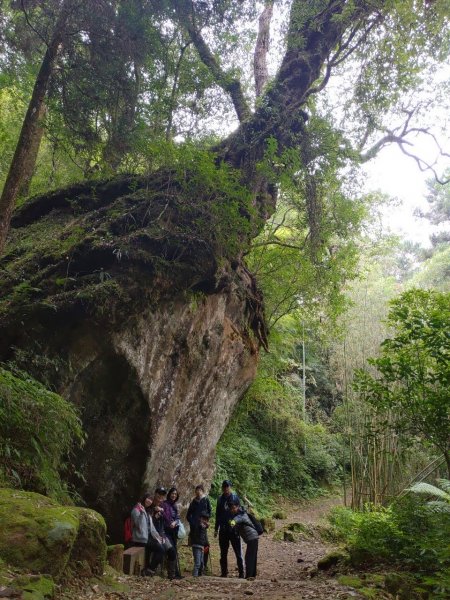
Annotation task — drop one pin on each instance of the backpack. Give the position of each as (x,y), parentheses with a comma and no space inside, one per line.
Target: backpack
(256,524)
(127,530)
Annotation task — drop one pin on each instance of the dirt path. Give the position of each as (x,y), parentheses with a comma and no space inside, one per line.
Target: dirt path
(286,570)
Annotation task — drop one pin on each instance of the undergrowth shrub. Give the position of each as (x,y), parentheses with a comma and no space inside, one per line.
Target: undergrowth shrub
(406,534)
(266,451)
(38,431)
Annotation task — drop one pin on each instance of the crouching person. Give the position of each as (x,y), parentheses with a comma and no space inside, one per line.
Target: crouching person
(245,528)
(199,539)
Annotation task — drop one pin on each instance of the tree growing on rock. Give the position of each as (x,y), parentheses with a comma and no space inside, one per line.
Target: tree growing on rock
(321,36)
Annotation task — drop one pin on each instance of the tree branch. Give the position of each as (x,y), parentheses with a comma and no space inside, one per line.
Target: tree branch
(399,135)
(312,39)
(231,85)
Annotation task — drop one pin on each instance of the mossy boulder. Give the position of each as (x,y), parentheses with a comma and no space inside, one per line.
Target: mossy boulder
(41,536)
(294,532)
(333,559)
(288,536)
(268,524)
(280,514)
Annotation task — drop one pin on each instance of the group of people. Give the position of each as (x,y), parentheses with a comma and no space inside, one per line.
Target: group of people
(156,525)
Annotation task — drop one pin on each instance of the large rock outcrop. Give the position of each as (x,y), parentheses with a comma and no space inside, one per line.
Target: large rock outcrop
(127,298)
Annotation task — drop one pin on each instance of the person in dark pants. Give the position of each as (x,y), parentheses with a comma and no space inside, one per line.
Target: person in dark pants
(241,522)
(158,521)
(227,535)
(199,541)
(199,505)
(171,518)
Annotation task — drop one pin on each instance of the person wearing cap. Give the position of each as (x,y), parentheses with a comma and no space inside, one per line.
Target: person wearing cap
(227,535)
(199,541)
(240,521)
(159,496)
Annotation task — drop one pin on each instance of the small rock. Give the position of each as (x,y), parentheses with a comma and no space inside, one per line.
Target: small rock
(6,592)
(300,560)
(248,593)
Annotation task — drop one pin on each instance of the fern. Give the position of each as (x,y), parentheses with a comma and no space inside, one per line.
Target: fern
(440,506)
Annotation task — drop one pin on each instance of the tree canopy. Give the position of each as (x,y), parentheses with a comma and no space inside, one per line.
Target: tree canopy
(120,73)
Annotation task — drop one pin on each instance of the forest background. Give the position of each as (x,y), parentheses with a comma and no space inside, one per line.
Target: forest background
(135,85)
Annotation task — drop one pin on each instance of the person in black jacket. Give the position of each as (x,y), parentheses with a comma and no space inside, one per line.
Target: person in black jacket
(199,504)
(199,539)
(227,535)
(242,523)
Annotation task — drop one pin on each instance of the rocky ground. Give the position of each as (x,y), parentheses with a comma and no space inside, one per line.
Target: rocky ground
(285,570)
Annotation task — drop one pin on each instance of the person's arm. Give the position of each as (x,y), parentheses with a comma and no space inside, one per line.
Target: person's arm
(218,512)
(135,514)
(208,506)
(166,514)
(189,512)
(152,531)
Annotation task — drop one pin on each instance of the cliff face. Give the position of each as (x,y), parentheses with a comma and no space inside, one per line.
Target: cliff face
(149,328)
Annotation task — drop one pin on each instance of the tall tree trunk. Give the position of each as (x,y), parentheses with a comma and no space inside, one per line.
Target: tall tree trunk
(33,152)
(22,163)
(447,462)
(262,48)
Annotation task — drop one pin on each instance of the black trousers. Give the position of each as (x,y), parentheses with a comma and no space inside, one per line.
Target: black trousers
(154,553)
(172,534)
(251,556)
(148,552)
(225,539)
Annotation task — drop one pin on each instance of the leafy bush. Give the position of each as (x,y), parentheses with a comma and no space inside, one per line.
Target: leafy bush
(406,533)
(38,431)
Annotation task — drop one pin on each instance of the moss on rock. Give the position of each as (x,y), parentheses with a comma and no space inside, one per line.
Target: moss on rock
(280,514)
(332,559)
(41,536)
(114,557)
(35,587)
(268,524)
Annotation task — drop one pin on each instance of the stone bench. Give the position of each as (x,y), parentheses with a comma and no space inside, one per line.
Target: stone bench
(133,560)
